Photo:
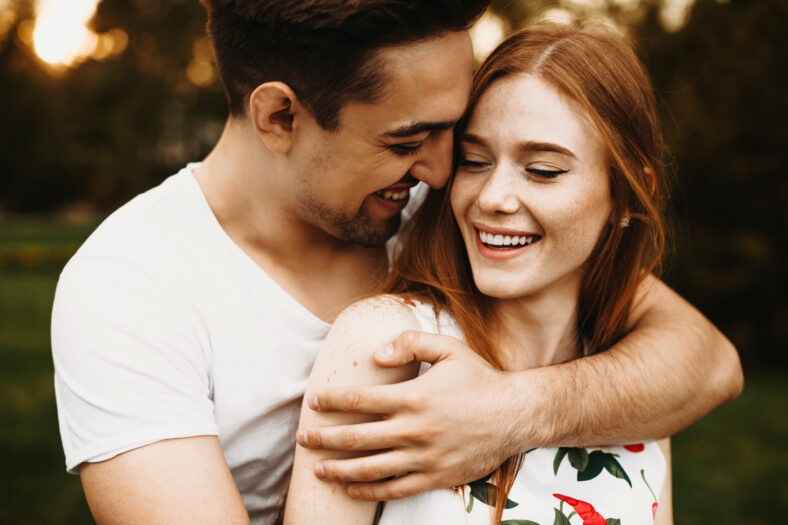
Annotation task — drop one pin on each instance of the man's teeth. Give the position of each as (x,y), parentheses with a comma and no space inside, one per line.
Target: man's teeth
(505,240)
(393,195)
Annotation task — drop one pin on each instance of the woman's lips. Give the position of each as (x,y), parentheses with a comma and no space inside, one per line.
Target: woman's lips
(496,243)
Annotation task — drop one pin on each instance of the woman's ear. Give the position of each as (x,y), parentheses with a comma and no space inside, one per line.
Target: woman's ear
(272,108)
(651,180)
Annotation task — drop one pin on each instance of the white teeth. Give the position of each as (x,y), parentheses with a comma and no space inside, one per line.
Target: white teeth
(393,196)
(504,240)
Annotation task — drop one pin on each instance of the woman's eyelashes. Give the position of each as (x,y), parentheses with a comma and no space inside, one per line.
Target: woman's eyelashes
(546,173)
(477,164)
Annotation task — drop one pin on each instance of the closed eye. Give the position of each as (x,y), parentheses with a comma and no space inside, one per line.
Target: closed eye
(547,174)
(406,149)
(464,162)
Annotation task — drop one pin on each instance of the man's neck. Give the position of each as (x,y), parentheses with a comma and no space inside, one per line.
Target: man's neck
(239,181)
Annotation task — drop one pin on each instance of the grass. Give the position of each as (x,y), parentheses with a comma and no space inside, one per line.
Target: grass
(730,468)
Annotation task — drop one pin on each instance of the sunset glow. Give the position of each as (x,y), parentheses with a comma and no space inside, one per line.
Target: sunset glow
(61,35)
(486,34)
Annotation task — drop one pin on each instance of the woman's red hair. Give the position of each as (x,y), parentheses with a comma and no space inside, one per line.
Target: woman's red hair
(601,73)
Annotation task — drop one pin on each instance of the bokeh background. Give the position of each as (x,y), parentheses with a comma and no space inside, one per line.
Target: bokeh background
(101,100)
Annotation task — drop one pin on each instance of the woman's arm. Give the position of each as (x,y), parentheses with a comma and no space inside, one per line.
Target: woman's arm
(346,360)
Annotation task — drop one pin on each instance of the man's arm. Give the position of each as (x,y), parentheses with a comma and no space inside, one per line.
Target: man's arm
(131,374)
(172,481)
(671,370)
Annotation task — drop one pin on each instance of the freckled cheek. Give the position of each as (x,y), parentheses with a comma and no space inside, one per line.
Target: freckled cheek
(572,227)
(463,194)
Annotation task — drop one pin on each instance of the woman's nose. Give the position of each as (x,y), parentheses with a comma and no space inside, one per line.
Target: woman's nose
(497,194)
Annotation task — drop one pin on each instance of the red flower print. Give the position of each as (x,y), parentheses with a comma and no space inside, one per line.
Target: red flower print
(584,510)
(654,510)
(635,448)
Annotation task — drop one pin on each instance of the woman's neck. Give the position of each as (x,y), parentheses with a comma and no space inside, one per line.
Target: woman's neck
(540,329)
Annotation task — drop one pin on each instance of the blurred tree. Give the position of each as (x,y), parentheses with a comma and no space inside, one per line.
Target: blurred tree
(106,130)
(721,80)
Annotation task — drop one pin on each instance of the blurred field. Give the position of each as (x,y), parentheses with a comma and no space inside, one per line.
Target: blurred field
(728,469)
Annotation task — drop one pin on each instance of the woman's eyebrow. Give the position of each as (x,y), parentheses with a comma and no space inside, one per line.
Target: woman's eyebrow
(527,146)
(473,139)
(530,145)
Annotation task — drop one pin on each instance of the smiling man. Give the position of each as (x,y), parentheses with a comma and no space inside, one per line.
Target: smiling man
(184,329)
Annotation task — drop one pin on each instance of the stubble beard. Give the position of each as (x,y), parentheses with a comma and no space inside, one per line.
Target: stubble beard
(358,228)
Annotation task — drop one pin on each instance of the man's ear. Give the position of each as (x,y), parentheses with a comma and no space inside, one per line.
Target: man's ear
(272,107)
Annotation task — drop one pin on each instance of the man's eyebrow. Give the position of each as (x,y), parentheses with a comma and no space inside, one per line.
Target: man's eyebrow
(526,146)
(414,128)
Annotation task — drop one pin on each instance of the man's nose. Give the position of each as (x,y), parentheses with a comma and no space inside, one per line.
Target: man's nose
(433,165)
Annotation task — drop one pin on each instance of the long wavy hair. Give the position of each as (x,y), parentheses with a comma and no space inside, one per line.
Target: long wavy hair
(598,70)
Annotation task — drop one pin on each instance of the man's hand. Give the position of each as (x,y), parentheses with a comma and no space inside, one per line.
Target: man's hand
(446,427)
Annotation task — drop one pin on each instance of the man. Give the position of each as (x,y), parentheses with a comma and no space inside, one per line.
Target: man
(184,329)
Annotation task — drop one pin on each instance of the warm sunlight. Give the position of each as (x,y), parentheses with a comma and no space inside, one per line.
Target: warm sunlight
(487,33)
(61,35)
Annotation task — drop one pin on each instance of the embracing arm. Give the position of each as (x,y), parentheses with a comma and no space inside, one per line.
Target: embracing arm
(670,371)
(346,359)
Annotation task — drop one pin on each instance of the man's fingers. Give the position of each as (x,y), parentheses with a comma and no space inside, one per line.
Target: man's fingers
(413,345)
(361,436)
(369,468)
(374,399)
(396,488)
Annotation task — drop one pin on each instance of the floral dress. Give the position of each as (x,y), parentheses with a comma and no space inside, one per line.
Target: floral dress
(555,486)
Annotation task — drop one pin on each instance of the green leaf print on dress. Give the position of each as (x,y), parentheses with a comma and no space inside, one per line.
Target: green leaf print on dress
(589,466)
(485,492)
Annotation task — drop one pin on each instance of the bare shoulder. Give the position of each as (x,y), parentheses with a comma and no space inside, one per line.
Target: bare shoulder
(382,317)
(360,330)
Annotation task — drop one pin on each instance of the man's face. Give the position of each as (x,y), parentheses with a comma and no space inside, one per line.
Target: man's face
(355,180)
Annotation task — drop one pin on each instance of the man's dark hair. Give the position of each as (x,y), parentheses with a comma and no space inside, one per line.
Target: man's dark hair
(323,49)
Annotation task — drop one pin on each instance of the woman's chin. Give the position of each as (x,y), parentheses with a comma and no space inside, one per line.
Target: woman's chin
(499,290)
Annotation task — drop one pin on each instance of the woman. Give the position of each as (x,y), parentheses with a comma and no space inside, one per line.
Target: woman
(533,254)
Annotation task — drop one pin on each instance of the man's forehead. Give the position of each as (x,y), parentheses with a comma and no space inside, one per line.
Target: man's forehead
(426,88)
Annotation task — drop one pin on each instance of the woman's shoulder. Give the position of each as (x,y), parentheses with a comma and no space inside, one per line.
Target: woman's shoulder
(370,323)
(376,312)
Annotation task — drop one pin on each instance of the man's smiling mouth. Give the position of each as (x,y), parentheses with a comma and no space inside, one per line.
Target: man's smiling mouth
(393,195)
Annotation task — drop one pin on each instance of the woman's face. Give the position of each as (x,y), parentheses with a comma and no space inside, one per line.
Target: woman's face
(531,194)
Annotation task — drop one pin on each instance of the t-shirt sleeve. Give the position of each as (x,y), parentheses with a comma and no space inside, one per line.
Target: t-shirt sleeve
(132,362)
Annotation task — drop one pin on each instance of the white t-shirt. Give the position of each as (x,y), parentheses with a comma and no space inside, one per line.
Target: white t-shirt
(162,327)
